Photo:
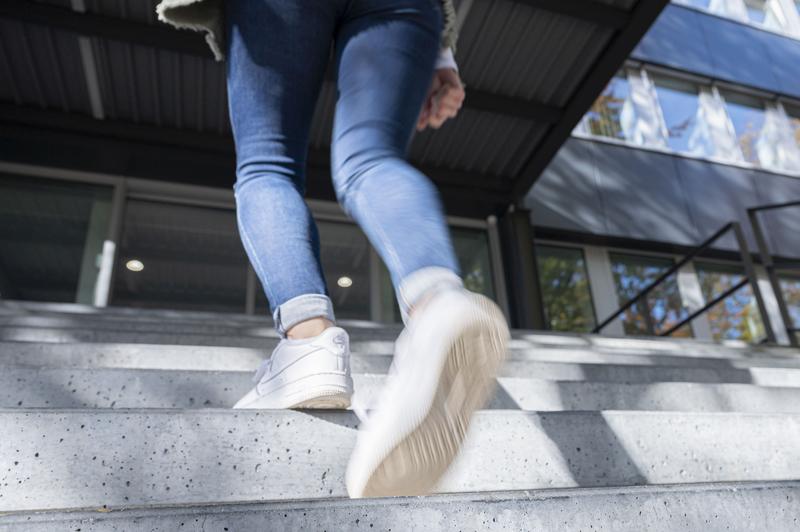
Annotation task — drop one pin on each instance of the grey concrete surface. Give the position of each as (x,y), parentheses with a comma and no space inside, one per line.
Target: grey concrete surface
(175,357)
(744,507)
(618,352)
(31,387)
(19,320)
(91,458)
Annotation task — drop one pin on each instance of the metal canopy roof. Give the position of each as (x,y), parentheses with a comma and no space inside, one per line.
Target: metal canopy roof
(137,92)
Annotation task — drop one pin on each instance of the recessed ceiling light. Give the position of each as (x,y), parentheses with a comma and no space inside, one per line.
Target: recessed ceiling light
(345,282)
(134,265)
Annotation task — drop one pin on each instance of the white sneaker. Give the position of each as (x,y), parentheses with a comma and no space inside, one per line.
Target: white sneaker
(444,369)
(308,373)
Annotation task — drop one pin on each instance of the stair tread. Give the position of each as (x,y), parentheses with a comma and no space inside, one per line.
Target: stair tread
(665,508)
(157,388)
(117,457)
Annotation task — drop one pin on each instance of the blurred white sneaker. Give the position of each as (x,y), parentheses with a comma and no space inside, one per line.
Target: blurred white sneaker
(308,373)
(445,365)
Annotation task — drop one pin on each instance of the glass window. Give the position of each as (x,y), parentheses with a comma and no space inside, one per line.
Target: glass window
(703,4)
(794,121)
(790,286)
(472,251)
(767,13)
(51,234)
(611,112)
(565,288)
(345,256)
(680,106)
(736,317)
(180,257)
(632,273)
(747,115)
(345,251)
(756,10)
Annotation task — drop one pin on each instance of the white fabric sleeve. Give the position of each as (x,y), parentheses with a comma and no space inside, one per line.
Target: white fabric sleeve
(446,59)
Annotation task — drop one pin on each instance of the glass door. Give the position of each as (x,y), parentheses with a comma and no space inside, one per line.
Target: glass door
(51,238)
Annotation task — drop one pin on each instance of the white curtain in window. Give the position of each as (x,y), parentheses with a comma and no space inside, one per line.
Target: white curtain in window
(775,18)
(714,135)
(775,146)
(642,122)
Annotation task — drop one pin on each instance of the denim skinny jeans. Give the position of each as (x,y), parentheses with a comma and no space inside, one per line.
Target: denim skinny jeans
(385,51)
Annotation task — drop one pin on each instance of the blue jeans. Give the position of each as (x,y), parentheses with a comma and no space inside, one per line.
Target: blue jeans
(385,51)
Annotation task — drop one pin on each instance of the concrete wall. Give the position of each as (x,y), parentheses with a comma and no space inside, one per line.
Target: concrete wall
(719,48)
(605,189)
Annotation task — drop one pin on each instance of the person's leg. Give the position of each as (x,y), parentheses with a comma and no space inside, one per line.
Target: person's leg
(448,354)
(385,54)
(277,54)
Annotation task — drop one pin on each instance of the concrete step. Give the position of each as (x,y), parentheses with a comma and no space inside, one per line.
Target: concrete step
(142,356)
(77,459)
(146,388)
(23,322)
(378,340)
(741,506)
(623,352)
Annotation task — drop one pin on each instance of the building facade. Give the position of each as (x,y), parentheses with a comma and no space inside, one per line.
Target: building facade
(702,123)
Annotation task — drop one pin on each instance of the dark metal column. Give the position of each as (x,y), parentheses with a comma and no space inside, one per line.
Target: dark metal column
(522,280)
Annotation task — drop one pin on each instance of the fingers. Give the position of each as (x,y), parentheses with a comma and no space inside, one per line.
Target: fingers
(444,100)
(446,104)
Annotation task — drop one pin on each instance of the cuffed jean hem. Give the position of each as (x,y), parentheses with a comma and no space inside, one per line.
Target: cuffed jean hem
(422,281)
(302,308)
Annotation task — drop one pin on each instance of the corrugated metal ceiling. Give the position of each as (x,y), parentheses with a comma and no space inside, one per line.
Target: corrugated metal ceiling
(506,48)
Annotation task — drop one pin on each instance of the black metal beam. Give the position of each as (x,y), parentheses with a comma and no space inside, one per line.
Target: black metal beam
(53,138)
(494,103)
(588,10)
(92,24)
(619,48)
(166,37)
(494,186)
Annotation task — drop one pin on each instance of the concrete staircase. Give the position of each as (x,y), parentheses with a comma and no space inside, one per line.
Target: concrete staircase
(120,419)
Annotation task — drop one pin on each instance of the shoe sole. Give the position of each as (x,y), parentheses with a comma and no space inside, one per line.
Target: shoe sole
(414,464)
(310,393)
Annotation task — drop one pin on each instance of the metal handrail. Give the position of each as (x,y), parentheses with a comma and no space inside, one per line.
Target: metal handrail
(750,277)
(771,267)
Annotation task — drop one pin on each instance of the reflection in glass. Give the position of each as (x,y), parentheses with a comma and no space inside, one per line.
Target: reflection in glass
(703,4)
(736,317)
(565,288)
(680,105)
(51,234)
(191,257)
(345,256)
(747,115)
(344,251)
(472,251)
(612,110)
(790,286)
(794,121)
(633,273)
(756,10)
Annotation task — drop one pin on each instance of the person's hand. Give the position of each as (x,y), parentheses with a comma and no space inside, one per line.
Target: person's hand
(443,101)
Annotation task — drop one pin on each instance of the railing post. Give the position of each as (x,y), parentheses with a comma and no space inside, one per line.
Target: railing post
(750,272)
(769,266)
